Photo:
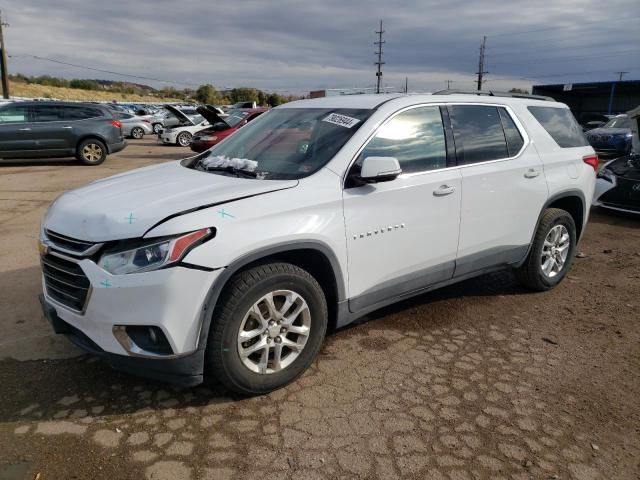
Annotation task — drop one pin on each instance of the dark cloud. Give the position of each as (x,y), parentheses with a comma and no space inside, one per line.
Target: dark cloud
(284,44)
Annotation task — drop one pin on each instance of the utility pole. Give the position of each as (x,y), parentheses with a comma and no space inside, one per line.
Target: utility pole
(481,72)
(448,84)
(406,84)
(3,61)
(622,74)
(379,63)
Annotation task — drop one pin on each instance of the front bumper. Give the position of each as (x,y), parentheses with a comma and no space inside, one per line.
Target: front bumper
(186,371)
(167,137)
(201,146)
(170,299)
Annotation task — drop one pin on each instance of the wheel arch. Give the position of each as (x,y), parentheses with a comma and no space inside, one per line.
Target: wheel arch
(571,201)
(314,256)
(94,136)
(574,203)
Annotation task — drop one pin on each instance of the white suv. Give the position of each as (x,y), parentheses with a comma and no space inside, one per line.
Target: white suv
(235,262)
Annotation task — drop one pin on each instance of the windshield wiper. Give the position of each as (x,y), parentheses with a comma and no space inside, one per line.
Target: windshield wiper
(238,172)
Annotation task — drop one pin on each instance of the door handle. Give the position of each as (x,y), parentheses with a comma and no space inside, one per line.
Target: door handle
(443,190)
(531,173)
(25,129)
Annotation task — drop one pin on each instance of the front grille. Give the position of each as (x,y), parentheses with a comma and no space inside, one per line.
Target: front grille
(65,282)
(70,245)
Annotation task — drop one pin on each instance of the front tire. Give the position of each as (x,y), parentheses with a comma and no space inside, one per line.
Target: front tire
(267,328)
(551,253)
(157,127)
(91,152)
(183,139)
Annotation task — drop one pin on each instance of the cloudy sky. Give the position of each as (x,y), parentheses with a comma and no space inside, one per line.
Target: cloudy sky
(297,46)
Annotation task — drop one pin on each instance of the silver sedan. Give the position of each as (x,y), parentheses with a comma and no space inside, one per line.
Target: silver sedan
(134,127)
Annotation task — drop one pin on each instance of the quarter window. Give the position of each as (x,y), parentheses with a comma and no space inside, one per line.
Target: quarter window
(478,134)
(560,124)
(415,137)
(80,113)
(511,133)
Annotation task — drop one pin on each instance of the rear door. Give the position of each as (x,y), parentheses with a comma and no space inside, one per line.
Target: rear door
(52,132)
(402,235)
(16,136)
(503,186)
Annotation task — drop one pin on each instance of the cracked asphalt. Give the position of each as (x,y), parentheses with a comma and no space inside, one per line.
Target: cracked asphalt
(480,380)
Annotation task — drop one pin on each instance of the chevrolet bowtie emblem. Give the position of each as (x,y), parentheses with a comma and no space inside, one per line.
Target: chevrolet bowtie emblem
(43,248)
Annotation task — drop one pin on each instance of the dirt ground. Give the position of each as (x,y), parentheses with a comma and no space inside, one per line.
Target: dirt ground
(478,380)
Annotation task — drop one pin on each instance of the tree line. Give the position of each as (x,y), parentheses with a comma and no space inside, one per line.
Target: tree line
(203,94)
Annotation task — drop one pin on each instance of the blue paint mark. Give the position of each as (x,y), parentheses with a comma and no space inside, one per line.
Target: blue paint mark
(106,283)
(130,218)
(224,214)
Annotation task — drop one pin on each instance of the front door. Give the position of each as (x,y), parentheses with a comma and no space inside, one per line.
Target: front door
(402,235)
(16,134)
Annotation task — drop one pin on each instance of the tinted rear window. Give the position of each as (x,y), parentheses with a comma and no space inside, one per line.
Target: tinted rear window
(560,124)
(478,134)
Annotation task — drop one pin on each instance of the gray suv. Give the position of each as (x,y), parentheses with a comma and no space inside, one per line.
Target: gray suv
(56,129)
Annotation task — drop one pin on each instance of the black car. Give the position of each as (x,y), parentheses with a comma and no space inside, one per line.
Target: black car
(618,185)
(57,129)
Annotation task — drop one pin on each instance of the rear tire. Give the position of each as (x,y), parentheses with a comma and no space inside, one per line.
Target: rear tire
(547,263)
(183,139)
(137,133)
(280,311)
(91,152)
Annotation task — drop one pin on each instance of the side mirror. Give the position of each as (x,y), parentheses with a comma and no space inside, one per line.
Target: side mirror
(380,169)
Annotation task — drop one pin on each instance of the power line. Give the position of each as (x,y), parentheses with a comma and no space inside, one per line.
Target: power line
(553,59)
(519,49)
(97,69)
(609,20)
(565,74)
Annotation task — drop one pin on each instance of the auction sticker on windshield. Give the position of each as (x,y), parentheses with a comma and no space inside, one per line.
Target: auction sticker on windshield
(342,120)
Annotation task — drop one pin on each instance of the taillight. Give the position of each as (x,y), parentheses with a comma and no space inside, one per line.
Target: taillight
(591,160)
(145,120)
(116,123)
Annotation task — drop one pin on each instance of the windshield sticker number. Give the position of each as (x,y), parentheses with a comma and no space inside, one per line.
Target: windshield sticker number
(342,120)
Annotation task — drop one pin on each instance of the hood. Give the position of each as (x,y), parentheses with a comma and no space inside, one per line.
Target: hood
(627,167)
(129,204)
(181,116)
(608,131)
(208,112)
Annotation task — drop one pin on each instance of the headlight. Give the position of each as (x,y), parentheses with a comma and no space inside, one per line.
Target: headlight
(208,138)
(153,255)
(606,174)
(628,135)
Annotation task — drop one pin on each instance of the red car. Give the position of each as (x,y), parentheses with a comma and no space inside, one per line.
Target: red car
(221,128)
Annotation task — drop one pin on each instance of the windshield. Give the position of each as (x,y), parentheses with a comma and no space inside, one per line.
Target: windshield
(235,117)
(286,143)
(618,122)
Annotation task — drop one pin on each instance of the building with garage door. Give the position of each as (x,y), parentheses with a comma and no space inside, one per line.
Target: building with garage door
(590,101)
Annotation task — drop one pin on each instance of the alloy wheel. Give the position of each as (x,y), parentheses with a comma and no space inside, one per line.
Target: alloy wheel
(92,152)
(274,332)
(184,139)
(555,251)
(137,133)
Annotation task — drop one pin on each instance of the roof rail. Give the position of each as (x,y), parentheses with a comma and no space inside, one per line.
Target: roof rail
(494,93)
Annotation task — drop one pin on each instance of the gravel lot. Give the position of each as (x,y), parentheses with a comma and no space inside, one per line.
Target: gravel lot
(478,380)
